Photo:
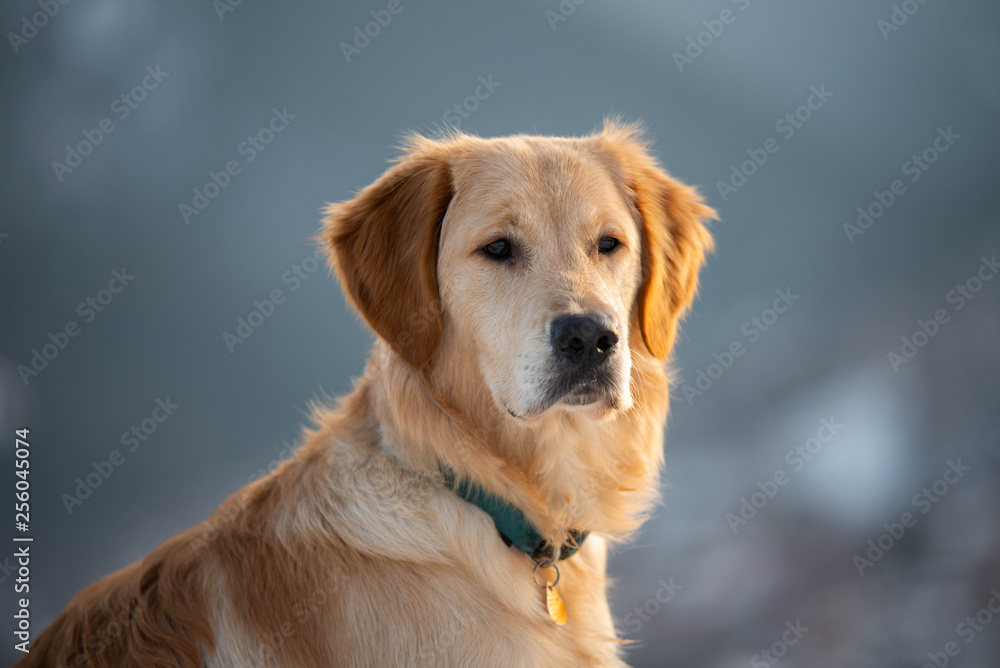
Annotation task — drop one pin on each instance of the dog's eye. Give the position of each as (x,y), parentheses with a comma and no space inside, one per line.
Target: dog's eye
(607,244)
(498,250)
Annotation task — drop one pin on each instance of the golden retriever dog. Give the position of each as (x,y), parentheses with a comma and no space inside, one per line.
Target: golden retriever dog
(456,508)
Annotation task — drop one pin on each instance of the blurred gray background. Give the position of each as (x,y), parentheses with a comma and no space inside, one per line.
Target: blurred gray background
(734,586)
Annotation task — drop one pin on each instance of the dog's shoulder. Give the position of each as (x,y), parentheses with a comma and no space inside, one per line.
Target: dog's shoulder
(152,612)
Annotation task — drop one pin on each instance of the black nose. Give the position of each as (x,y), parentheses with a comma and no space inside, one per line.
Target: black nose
(582,339)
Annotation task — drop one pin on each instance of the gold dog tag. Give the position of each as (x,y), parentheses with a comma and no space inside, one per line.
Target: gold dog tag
(554,602)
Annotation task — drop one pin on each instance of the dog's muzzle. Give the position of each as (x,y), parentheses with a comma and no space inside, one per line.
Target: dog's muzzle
(582,342)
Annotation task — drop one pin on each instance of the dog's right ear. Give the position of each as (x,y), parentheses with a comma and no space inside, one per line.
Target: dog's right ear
(383,248)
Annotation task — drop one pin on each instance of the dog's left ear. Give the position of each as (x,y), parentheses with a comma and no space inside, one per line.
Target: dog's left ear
(674,236)
(383,248)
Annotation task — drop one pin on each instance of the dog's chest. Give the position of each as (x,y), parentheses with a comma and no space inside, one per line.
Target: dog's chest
(480,627)
(493,614)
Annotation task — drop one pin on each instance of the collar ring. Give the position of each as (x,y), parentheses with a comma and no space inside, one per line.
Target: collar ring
(545,563)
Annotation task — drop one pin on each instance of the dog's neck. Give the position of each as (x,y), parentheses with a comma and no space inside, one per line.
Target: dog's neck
(565,470)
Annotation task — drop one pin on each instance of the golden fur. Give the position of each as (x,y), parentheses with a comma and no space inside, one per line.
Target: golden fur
(353,553)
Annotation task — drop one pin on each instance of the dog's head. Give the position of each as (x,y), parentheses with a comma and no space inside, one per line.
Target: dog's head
(541,264)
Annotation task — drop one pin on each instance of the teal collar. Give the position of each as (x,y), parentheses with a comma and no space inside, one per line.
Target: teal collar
(514,528)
